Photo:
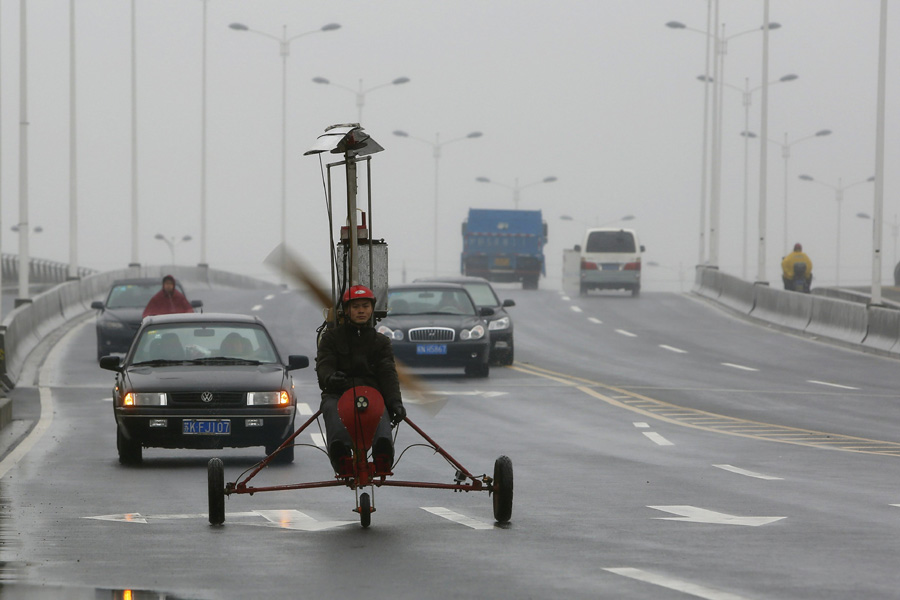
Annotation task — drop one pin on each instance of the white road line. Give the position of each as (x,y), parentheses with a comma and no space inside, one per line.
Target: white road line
(257,307)
(748,473)
(576,308)
(741,367)
(304,409)
(595,320)
(679,585)
(626,333)
(269,297)
(642,425)
(566,298)
(836,385)
(457,518)
(658,439)
(318,439)
(673,349)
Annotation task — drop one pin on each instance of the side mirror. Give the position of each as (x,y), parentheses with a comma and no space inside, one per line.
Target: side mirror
(485,311)
(111,363)
(96,304)
(508,303)
(197,303)
(577,247)
(643,249)
(297,361)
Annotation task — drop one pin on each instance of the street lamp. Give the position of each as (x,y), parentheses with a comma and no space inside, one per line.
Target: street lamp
(720,43)
(747,94)
(172,242)
(516,188)
(839,197)
(436,146)
(284,45)
(360,93)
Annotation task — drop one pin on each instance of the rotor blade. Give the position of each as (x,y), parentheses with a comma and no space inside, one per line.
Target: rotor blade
(418,392)
(283,260)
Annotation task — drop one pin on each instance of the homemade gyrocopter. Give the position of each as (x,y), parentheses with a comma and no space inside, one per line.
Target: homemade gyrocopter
(360,407)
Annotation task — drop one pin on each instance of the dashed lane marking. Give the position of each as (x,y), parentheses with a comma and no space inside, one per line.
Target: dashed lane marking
(835,385)
(576,308)
(672,583)
(734,469)
(694,514)
(657,439)
(626,333)
(642,425)
(673,349)
(256,308)
(269,297)
(707,421)
(457,518)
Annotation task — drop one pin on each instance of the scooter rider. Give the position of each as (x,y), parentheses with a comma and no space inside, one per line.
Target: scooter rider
(787,267)
(354,354)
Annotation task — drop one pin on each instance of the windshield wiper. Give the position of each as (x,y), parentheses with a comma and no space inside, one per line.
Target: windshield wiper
(225,359)
(157,362)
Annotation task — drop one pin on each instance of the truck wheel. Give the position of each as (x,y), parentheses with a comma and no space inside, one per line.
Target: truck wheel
(215,477)
(530,283)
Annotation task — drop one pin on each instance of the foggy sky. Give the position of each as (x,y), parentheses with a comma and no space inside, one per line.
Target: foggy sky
(598,93)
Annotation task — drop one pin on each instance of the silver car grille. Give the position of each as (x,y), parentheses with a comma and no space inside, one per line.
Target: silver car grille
(432,334)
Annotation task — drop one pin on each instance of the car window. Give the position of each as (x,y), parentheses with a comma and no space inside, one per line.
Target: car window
(420,302)
(190,341)
(133,295)
(610,241)
(482,293)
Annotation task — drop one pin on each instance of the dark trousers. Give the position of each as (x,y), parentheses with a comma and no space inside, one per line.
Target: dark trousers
(338,439)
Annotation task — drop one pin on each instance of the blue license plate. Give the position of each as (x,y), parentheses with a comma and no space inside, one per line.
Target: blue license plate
(431,348)
(206,427)
(610,266)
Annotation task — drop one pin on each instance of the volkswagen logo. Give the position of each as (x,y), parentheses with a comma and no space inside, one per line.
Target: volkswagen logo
(206,396)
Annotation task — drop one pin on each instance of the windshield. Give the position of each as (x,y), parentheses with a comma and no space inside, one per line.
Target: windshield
(134,295)
(610,241)
(436,301)
(195,341)
(482,294)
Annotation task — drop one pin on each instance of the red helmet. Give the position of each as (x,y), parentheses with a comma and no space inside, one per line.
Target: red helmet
(798,247)
(358,291)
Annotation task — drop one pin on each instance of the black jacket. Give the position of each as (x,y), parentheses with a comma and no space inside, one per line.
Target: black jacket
(364,355)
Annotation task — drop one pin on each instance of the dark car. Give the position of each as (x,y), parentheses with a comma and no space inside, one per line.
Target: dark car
(120,316)
(437,325)
(203,381)
(500,324)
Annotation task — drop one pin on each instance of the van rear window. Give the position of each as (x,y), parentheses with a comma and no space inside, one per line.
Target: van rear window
(610,241)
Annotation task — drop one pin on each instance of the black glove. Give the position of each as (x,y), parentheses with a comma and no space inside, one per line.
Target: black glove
(337,381)
(398,413)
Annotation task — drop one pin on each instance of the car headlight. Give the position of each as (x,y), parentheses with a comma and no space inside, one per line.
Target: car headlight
(279,398)
(476,333)
(112,325)
(145,399)
(499,324)
(394,334)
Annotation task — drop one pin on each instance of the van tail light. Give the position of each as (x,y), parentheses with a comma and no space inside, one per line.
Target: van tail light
(632,266)
(587,265)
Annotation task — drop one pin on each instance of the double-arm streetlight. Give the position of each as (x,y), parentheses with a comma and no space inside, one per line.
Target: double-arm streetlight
(360,93)
(436,145)
(516,188)
(719,42)
(839,190)
(171,242)
(284,45)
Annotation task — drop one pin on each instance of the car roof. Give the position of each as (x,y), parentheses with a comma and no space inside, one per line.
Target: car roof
(453,279)
(203,318)
(427,285)
(139,281)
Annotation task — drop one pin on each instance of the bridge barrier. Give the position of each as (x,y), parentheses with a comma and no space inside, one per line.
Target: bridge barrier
(737,293)
(707,282)
(23,328)
(839,319)
(788,309)
(883,331)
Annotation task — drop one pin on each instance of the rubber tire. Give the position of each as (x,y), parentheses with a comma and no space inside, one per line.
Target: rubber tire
(130,452)
(478,370)
(509,357)
(503,489)
(365,510)
(582,290)
(215,476)
(530,283)
(635,291)
(285,457)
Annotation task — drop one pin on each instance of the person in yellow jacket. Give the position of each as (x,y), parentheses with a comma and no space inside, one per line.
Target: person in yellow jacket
(787,267)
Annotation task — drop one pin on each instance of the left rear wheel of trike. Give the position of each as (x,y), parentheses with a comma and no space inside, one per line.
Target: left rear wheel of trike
(215,474)
(503,489)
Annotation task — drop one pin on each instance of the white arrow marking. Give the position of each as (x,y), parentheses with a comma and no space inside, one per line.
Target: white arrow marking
(470,393)
(457,518)
(626,333)
(658,439)
(576,308)
(843,387)
(748,473)
(144,519)
(294,519)
(741,367)
(701,515)
(673,349)
(679,585)
(595,320)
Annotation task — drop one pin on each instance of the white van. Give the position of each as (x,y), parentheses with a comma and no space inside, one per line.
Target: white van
(611,260)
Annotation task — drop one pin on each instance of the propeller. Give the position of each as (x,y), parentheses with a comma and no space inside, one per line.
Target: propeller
(286,262)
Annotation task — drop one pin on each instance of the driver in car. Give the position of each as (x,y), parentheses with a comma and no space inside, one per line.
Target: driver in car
(354,354)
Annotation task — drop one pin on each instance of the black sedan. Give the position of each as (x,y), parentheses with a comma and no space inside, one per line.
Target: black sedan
(437,325)
(120,316)
(500,324)
(203,381)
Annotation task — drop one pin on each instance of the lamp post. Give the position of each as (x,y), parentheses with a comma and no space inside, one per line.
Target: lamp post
(839,190)
(360,93)
(134,161)
(203,262)
(747,96)
(436,145)
(171,242)
(73,170)
(284,45)
(23,157)
(516,188)
(720,44)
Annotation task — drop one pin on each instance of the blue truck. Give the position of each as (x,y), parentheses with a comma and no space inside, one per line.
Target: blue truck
(504,246)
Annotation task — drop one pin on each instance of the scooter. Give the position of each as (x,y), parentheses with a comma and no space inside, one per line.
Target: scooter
(800,282)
